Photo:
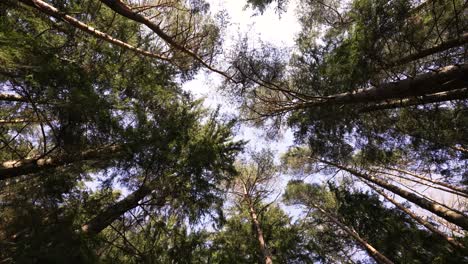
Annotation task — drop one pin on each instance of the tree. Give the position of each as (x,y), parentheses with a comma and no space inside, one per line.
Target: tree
(364,214)
(237,241)
(257,230)
(92,111)
(306,195)
(163,239)
(253,186)
(366,92)
(418,219)
(185,35)
(344,84)
(301,157)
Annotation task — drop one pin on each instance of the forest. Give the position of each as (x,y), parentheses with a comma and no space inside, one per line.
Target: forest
(107,156)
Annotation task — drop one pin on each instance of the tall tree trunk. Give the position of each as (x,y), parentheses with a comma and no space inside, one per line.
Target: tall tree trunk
(421,100)
(445,79)
(446,213)
(12,98)
(374,253)
(124,10)
(14,168)
(261,240)
(450,186)
(452,43)
(418,219)
(54,12)
(428,184)
(113,212)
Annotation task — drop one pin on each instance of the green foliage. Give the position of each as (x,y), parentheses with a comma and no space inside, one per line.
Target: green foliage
(389,230)
(237,241)
(87,96)
(357,51)
(262,5)
(160,240)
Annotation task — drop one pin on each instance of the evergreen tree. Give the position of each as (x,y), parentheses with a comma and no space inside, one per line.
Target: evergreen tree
(392,232)
(78,109)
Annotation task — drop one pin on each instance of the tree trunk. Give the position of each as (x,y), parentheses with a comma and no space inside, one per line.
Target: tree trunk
(374,253)
(447,83)
(125,11)
(445,79)
(421,100)
(12,98)
(459,148)
(54,12)
(428,184)
(418,219)
(14,168)
(261,240)
(446,213)
(18,121)
(113,212)
(463,39)
(452,187)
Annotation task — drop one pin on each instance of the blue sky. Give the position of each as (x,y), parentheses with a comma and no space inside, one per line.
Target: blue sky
(268,27)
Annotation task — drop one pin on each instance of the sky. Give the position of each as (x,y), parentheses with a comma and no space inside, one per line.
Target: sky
(268,27)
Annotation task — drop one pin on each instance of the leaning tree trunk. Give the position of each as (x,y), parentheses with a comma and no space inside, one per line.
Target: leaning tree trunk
(418,219)
(452,187)
(14,121)
(102,220)
(419,100)
(12,98)
(374,253)
(14,168)
(445,79)
(54,12)
(261,240)
(448,44)
(124,10)
(446,213)
(422,182)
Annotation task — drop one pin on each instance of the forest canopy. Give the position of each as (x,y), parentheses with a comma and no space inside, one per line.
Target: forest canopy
(107,157)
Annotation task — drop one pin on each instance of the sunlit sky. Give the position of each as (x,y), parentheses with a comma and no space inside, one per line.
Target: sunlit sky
(268,27)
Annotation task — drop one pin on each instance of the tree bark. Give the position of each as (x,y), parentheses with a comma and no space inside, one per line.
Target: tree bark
(54,12)
(434,184)
(446,213)
(14,168)
(418,219)
(113,212)
(446,83)
(253,217)
(463,39)
(12,98)
(452,187)
(445,79)
(420,100)
(374,253)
